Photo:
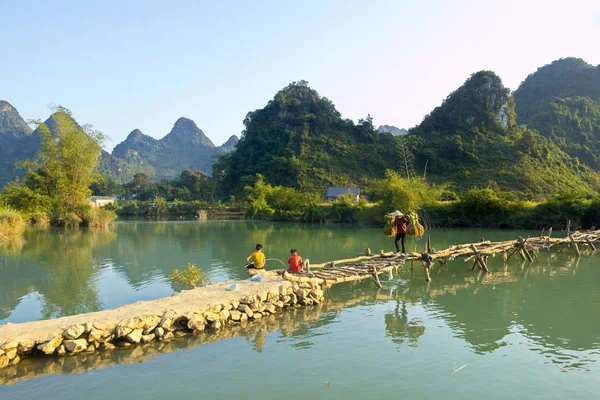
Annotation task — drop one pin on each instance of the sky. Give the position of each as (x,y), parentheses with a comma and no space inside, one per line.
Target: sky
(122,65)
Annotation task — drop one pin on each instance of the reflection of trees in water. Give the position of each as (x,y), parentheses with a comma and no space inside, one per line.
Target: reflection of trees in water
(58,264)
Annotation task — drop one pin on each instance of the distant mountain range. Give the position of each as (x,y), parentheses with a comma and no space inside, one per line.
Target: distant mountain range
(392,129)
(185,147)
(541,139)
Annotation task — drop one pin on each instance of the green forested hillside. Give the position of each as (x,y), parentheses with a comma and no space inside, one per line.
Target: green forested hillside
(300,140)
(567,77)
(562,101)
(16,142)
(472,140)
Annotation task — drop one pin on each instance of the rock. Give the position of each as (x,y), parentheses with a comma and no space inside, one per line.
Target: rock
(61,351)
(88,326)
(307,301)
(168,320)
(95,334)
(248,300)
(279,304)
(168,336)
(272,294)
(235,315)
(100,326)
(282,290)
(25,346)
(196,323)
(224,315)
(148,338)
(124,344)
(12,353)
(122,331)
(226,306)
(246,310)
(3,361)
(150,322)
(295,286)
(75,346)
(91,348)
(15,360)
(317,293)
(243,317)
(293,298)
(12,344)
(258,315)
(215,325)
(270,308)
(179,334)
(135,336)
(73,332)
(51,345)
(260,307)
(235,304)
(159,332)
(133,323)
(286,299)
(108,346)
(215,308)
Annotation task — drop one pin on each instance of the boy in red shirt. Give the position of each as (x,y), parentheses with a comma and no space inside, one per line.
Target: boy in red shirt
(295,261)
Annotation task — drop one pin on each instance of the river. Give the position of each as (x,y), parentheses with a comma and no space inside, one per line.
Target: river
(525,331)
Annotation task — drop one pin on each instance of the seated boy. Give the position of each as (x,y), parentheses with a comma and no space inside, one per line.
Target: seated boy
(296,263)
(258,258)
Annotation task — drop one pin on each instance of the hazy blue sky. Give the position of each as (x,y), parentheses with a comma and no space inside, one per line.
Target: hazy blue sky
(121,65)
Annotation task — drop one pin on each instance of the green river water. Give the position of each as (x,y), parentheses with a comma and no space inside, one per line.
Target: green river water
(522,331)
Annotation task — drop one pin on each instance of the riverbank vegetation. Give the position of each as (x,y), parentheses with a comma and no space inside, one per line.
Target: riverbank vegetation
(11,223)
(56,186)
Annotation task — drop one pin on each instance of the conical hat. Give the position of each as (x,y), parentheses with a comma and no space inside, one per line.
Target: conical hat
(397,214)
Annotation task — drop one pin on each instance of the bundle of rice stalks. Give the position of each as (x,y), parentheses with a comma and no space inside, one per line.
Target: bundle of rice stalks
(414,227)
(389,229)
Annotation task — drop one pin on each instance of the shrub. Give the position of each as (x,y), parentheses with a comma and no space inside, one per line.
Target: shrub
(98,217)
(39,218)
(67,220)
(190,278)
(344,209)
(11,223)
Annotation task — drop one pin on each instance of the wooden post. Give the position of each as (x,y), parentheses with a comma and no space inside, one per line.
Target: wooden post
(428,244)
(376,278)
(524,249)
(568,228)
(549,232)
(575,245)
(426,273)
(368,252)
(479,259)
(542,232)
(591,244)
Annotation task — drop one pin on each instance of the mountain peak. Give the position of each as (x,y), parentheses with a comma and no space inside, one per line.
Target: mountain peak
(231,142)
(185,132)
(481,101)
(11,123)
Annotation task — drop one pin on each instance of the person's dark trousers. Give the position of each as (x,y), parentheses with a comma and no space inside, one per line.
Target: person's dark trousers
(398,237)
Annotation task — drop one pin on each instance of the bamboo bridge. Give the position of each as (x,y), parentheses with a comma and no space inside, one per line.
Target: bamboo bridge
(371,266)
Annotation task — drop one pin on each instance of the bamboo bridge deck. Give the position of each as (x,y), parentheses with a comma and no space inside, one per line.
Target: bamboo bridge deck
(371,266)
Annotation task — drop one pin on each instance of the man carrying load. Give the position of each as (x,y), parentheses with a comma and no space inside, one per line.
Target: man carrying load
(400,223)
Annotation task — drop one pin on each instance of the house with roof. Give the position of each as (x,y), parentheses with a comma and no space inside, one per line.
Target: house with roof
(101,201)
(334,192)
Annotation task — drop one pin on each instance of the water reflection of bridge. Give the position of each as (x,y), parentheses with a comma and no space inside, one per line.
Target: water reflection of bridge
(541,301)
